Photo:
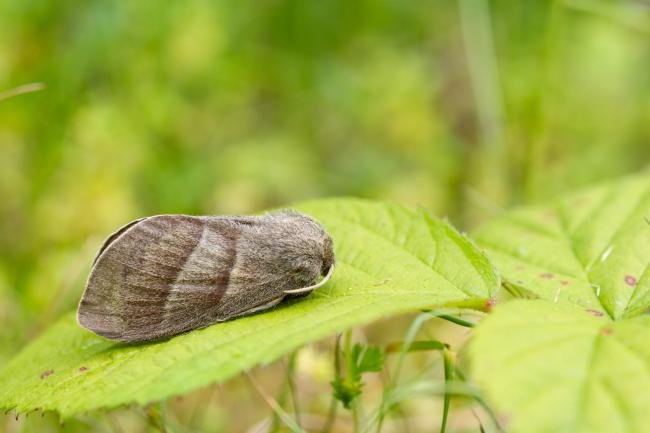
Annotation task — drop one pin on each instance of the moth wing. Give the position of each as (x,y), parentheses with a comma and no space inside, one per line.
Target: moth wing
(160,276)
(109,240)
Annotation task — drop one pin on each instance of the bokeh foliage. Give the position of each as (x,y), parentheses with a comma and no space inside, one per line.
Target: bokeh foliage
(217,107)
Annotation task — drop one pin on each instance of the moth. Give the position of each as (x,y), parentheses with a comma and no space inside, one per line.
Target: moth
(163,275)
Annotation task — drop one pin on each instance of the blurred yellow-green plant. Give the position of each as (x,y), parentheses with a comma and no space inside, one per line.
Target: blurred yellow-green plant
(212,107)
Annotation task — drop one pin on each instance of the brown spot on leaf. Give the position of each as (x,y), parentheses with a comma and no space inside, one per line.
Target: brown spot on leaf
(489,304)
(564,282)
(82,369)
(606,331)
(595,312)
(46,373)
(546,275)
(504,419)
(630,280)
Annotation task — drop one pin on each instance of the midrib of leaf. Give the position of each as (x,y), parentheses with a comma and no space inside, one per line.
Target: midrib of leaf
(618,400)
(562,216)
(588,383)
(642,199)
(596,210)
(645,276)
(619,229)
(589,378)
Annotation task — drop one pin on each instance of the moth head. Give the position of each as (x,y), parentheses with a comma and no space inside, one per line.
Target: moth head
(305,250)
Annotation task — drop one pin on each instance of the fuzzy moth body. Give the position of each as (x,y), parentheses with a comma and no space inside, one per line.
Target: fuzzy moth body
(163,275)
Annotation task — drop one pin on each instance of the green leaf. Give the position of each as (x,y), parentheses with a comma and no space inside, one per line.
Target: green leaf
(371,359)
(416,346)
(363,359)
(557,368)
(590,249)
(346,392)
(449,364)
(390,260)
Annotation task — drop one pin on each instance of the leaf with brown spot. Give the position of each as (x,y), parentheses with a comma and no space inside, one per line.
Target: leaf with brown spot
(556,368)
(390,260)
(595,254)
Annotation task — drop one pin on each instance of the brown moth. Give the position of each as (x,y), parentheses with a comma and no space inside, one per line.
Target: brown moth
(163,275)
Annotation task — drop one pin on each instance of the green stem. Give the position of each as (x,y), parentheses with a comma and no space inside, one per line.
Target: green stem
(404,347)
(349,377)
(486,407)
(331,415)
(273,404)
(281,399)
(448,358)
(291,368)
(156,417)
(288,387)
(457,320)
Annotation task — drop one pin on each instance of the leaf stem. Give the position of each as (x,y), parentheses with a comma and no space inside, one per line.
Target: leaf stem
(486,407)
(156,418)
(291,369)
(273,404)
(448,359)
(287,387)
(331,415)
(349,376)
(456,320)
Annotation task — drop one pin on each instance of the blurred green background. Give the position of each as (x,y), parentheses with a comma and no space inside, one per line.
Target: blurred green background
(212,107)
